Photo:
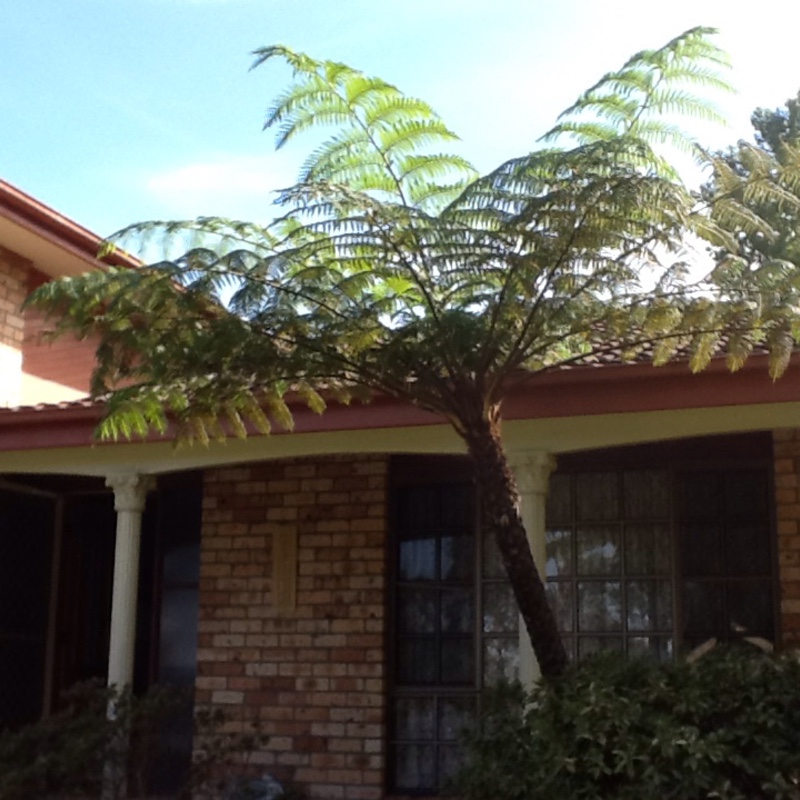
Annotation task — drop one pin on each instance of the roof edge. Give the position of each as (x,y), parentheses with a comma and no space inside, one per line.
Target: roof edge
(40,217)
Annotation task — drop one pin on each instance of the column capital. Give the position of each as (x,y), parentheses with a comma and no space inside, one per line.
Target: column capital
(532,470)
(130,490)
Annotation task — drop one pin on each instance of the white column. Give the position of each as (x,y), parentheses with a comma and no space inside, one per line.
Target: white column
(130,493)
(532,470)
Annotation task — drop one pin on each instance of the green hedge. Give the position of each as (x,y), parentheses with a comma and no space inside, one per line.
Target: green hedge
(726,726)
(80,752)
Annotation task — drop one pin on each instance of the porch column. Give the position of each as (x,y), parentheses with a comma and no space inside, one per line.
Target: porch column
(532,470)
(130,493)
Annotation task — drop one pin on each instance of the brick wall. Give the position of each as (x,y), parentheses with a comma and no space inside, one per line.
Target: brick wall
(66,361)
(13,289)
(786,444)
(313,675)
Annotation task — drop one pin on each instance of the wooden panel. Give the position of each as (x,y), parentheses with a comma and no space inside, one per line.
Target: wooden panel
(284,569)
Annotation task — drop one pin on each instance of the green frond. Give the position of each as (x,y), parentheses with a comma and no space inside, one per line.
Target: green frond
(781,347)
(740,346)
(650,84)
(278,410)
(378,128)
(394,268)
(311,397)
(703,349)
(734,215)
(709,231)
(586,132)
(299,62)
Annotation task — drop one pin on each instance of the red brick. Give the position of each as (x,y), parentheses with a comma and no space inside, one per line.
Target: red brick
(315,676)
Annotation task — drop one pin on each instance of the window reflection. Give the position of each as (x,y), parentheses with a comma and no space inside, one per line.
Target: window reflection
(613,581)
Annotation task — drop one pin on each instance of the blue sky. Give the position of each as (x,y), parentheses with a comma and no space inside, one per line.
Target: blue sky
(117,111)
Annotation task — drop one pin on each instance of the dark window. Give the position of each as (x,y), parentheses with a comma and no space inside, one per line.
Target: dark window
(173,524)
(455,620)
(725,555)
(25,565)
(640,559)
(609,561)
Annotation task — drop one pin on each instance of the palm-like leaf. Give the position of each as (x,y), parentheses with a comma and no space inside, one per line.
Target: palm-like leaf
(394,268)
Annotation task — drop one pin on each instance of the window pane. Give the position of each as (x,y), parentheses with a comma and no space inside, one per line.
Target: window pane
(750,609)
(178,637)
(458,661)
(747,549)
(703,609)
(182,564)
(416,610)
(457,508)
(559,595)
(699,495)
(599,550)
(455,714)
(645,494)
(648,549)
(417,559)
(458,557)
(595,644)
(599,606)
(492,561)
(414,718)
(458,614)
(414,767)
(417,661)
(700,549)
(500,611)
(596,495)
(500,660)
(417,507)
(451,760)
(649,605)
(559,498)
(657,647)
(559,552)
(745,493)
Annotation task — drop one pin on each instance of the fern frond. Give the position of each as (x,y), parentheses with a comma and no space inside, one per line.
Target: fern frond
(379,128)
(650,84)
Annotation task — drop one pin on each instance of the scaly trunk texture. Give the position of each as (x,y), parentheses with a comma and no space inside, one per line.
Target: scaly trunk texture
(500,516)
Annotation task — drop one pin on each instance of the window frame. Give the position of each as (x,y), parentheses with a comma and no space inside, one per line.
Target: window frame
(418,471)
(728,453)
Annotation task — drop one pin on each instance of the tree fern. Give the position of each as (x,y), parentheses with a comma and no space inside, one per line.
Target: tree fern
(392,267)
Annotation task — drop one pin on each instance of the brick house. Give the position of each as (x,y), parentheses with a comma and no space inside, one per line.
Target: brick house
(331,582)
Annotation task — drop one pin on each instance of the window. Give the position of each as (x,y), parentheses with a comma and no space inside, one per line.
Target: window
(649,551)
(650,561)
(455,621)
(725,555)
(609,561)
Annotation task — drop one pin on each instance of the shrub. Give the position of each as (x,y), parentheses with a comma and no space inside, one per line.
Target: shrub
(80,752)
(726,726)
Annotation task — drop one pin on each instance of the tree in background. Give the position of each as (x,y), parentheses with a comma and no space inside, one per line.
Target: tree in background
(394,269)
(777,135)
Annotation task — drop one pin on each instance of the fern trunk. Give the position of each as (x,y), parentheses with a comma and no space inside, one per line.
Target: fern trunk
(500,517)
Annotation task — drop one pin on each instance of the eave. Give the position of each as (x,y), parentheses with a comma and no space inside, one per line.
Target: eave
(51,242)
(555,400)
